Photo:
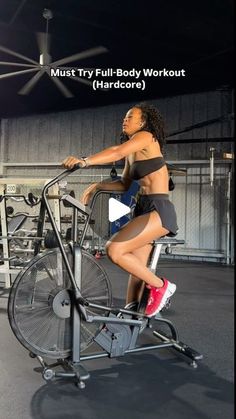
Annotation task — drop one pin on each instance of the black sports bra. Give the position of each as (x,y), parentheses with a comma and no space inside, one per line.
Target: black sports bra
(141,168)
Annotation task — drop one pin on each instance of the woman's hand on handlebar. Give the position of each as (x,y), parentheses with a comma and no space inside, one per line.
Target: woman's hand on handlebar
(71,161)
(88,193)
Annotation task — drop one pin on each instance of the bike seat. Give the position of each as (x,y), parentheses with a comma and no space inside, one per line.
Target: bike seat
(168,240)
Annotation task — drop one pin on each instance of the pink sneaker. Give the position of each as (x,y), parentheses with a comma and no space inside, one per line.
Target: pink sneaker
(158,297)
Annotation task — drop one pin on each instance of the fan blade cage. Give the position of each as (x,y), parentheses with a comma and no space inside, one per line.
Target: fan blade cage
(40,308)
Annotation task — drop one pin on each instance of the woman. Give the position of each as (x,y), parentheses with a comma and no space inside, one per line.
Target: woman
(154,214)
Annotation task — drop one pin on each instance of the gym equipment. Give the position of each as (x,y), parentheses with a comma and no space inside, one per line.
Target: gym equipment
(30,200)
(9,211)
(113,172)
(128,198)
(50,240)
(16,243)
(71,193)
(212,150)
(60,304)
(171,183)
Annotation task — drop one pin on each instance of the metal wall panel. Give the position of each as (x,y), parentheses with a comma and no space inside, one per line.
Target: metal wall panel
(193,209)
(202,211)
(53,136)
(179,199)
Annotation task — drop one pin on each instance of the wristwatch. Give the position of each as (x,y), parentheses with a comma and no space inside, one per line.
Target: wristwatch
(85,161)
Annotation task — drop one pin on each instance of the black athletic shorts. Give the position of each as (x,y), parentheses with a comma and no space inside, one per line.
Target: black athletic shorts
(165,209)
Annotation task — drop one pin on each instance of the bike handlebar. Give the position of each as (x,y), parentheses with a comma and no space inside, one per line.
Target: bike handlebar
(66,173)
(60,177)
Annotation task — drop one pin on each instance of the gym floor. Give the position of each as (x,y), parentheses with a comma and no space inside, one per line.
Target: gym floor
(145,385)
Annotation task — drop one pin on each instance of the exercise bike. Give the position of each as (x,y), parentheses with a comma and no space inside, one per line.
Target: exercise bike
(61,303)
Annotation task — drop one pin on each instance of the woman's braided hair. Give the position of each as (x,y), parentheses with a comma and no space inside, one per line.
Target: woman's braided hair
(153,123)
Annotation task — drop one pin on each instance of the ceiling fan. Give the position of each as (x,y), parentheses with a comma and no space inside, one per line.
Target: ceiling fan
(45,62)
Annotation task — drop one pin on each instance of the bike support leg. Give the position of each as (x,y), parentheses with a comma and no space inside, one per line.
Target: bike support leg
(75,364)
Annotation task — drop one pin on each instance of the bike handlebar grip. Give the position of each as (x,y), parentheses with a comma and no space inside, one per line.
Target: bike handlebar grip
(60,177)
(76,167)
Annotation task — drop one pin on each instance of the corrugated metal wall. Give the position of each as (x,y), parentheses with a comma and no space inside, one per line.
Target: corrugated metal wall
(50,138)
(202,211)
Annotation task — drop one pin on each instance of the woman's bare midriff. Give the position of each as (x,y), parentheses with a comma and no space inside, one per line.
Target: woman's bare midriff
(156,182)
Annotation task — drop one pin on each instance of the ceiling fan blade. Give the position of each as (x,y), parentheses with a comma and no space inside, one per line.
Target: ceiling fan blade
(80,80)
(26,89)
(16,54)
(16,73)
(63,89)
(87,82)
(17,64)
(80,55)
(44,42)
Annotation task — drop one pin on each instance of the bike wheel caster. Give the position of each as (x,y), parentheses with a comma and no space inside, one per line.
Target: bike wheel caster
(193,364)
(32,355)
(48,374)
(80,384)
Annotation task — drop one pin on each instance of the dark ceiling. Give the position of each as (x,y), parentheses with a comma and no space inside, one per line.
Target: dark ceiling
(193,35)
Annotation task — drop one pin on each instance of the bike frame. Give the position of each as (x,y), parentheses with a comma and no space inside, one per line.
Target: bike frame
(79,304)
(75,275)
